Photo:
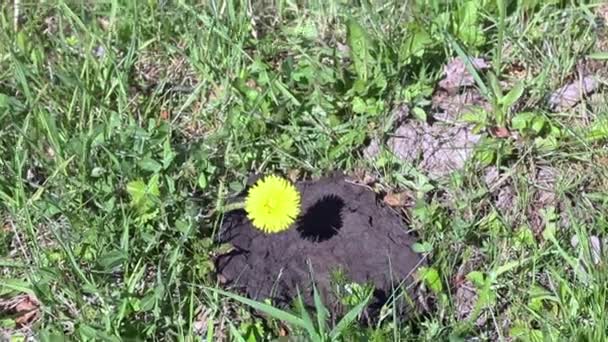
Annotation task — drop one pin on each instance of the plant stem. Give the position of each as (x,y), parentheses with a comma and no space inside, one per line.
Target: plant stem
(502,12)
(232,206)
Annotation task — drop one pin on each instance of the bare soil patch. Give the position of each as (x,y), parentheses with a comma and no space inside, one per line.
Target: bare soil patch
(343,228)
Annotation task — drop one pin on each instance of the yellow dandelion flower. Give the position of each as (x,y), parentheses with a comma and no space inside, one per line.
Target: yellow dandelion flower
(272,204)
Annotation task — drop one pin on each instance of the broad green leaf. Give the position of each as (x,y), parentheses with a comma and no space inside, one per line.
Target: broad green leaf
(416,42)
(475,117)
(513,95)
(496,89)
(149,164)
(487,297)
(477,278)
(87,331)
(152,187)
(360,48)
(4,100)
(15,285)
(538,123)
(419,114)
(424,247)
(47,121)
(168,154)
(598,130)
(603,55)
(22,41)
(486,156)
(46,336)
(143,196)
(306,30)
(468,13)
(510,266)
(521,120)
(546,144)
(431,278)
(9,102)
(468,29)
(359,105)
(137,191)
(525,334)
(525,236)
(111,260)
(10,324)
(202,181)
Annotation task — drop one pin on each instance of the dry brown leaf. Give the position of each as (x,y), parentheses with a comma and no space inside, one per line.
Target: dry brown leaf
(27,304)
(283,330)
(466,299)
(361,176)
(293,175)
(215,93)
(26,318)
(450,107)
(602,11)
(398,199)
(516,71)
(569,95)
(544,197)
(466,295)
(25,309)
(251,83)
(164,115)
(601,161)
(104,23)
(500,132)
(456,74)
(201,321)
(369,179)
(595,245)
(373,149)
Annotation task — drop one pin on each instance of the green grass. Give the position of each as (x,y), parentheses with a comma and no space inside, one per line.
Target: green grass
(125,126)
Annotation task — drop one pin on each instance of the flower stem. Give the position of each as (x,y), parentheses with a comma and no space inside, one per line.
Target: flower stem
(232,206)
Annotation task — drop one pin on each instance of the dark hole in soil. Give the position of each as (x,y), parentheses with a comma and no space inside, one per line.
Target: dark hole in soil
(379,299)
(322,220)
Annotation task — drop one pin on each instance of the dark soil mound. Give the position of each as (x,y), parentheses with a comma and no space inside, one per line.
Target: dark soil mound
(342,227)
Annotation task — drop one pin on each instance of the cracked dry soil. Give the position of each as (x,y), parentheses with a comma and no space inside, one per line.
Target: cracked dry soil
(343,227)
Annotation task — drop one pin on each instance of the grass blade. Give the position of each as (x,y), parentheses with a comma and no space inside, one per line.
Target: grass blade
(349,318)
(265,308)
(601,56)
(322,313)
(468,64)
(309,325)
